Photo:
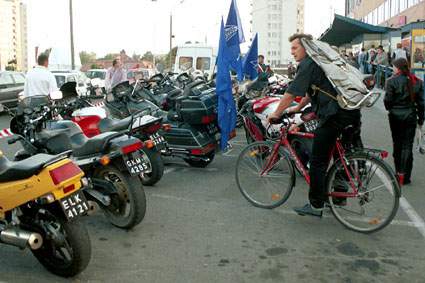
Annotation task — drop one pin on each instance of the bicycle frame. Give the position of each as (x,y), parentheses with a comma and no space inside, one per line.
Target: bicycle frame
(283,141)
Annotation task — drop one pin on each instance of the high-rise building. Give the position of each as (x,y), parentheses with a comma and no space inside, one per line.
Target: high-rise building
(275,21)
(13,34)
(390,13)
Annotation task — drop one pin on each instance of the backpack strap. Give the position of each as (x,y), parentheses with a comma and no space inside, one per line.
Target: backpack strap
(318,89)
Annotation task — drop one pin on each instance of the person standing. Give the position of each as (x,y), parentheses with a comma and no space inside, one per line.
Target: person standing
(39,80)
(381,58)
(371,53)
(362,61)
(404,101)
(399,53)
(115,75)
(264,71)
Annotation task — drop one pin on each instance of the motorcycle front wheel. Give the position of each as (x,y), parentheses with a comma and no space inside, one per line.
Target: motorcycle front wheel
(68,252)
(128,203)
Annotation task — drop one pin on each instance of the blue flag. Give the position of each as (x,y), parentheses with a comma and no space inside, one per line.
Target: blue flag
(226,104)
(234,36)
(250,61)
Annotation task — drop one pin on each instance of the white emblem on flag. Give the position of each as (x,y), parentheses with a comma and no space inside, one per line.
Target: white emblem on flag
(230,31)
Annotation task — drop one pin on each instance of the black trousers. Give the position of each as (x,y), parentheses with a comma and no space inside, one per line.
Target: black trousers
(403,134)
(323,144)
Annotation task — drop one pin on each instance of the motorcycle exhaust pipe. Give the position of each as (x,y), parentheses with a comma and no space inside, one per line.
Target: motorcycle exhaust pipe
(20,238)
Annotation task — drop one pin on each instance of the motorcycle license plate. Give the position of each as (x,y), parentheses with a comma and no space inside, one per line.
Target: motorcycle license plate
(157,139)
(136,164)
(74,205)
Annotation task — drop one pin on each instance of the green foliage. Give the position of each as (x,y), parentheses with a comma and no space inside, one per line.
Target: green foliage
(87,57)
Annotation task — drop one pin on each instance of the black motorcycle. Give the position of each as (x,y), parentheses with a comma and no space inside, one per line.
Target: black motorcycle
(144,127)
(192,115)
(110,161)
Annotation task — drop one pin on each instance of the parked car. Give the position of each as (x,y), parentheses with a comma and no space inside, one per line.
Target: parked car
(11,84)
(80,78)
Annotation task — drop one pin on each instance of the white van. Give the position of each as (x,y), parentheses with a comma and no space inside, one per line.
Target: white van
(197,56)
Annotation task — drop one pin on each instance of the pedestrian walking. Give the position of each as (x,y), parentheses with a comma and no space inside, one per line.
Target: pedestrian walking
(404,101)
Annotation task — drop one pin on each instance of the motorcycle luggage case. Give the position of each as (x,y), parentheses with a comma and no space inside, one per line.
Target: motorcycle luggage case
(199,107)
(182,135)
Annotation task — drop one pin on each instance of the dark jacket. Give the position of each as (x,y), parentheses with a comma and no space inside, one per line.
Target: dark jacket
(399,103)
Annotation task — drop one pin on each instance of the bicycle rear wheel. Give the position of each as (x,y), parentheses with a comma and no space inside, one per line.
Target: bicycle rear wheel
(265,178)
(377,201)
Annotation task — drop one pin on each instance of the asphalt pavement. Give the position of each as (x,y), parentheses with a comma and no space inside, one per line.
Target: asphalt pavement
(199,228)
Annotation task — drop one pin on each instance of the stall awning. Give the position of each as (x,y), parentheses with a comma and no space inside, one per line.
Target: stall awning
(344,30)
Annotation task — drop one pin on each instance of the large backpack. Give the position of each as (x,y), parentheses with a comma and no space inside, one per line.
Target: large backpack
(346,79)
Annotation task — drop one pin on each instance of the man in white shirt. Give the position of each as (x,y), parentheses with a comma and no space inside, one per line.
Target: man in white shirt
(399,52)
(39,80)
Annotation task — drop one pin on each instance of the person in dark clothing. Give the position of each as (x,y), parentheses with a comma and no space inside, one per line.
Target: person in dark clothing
(332,120)
(404,100)
(264,71)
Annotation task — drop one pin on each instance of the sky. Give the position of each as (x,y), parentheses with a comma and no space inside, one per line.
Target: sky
(137,26)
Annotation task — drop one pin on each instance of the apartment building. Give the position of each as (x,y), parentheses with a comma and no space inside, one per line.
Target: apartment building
(13,34)
(275,21)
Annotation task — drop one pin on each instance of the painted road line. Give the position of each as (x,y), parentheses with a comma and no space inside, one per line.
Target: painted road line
(419,223)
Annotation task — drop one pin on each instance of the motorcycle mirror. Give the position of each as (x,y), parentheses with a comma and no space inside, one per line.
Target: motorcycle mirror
(56,95)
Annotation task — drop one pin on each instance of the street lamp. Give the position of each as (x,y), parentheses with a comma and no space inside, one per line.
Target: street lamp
(71,26)
(171,28)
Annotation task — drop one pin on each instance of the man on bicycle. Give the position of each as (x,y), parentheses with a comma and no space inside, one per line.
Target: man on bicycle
(333,119)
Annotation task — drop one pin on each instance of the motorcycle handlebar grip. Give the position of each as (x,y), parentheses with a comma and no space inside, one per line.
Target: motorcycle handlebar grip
(13,140)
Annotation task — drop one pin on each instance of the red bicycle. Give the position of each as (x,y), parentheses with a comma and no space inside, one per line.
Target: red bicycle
(363,192)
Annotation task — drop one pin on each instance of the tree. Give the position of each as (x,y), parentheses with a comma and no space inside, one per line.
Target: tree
(148,56)
(136,57)
(87,57)
(110,56)
(96,66)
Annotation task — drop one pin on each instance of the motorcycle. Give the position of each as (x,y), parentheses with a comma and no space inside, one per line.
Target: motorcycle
(94,121)
(41,200)
(110,161)
(193,133)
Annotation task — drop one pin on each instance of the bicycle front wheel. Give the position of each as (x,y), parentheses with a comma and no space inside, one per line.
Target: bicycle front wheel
(374,205)
(264,177)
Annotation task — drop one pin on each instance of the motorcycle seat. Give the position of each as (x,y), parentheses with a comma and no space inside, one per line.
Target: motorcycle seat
(82,146)
(19,170)
(114,125)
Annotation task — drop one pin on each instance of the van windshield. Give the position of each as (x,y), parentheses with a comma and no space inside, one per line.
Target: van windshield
(96,75)
(203,63)
(185,63)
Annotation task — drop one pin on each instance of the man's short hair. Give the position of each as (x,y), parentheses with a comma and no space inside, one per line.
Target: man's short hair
(261,56)
(399,45)
(42,58)
(299,36)
(363,49)
(114,62)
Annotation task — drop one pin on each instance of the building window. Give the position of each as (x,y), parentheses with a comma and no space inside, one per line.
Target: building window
(394,8)
(381,13)
(403,5)
(375,17)
(387,10)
